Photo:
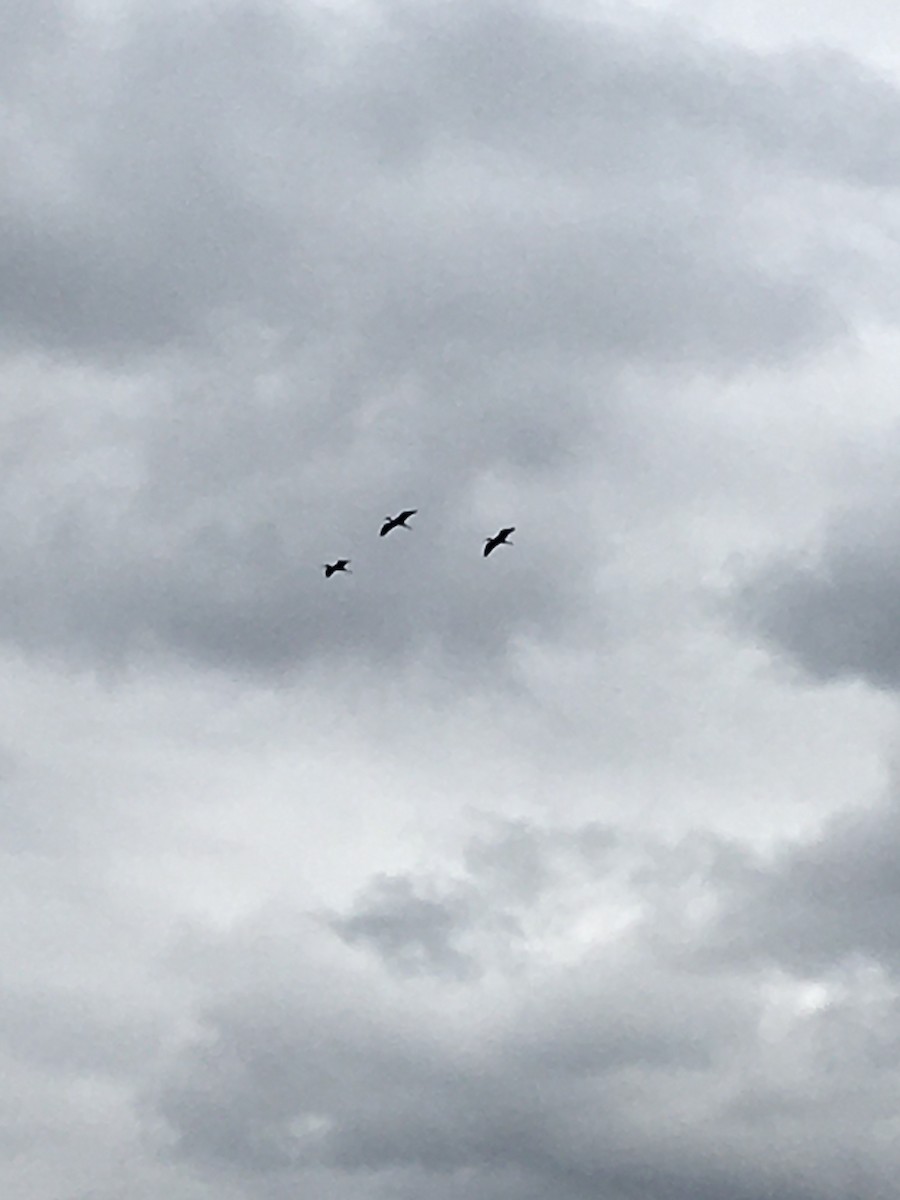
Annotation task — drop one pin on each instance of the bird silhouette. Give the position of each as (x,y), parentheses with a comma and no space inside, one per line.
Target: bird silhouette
(499,539)
(398,522)
(340,564)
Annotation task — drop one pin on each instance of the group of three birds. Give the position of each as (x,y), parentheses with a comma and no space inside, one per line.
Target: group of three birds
(399,522)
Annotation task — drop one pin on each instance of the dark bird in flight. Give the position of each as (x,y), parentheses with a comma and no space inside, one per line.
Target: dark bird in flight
(340,564)
(499,539)
(398,522)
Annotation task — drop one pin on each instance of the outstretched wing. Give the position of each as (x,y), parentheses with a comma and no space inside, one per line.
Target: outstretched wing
(407,513)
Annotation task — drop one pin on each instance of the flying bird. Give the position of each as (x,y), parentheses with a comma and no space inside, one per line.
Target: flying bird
(398,522)
(340,564)
(499,539)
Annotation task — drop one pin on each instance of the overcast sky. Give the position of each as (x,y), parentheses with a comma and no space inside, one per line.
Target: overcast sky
(569,874)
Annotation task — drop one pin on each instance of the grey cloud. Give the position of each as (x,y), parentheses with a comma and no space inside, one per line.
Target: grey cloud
(386,1094)
(266,276)
(203,538)
(286,1058)
(477,920)
(817,907)
(243,161)
(59,1029)
(837,617)
(832,609)
(819,904)
(412,931)
(149,230)
(400,266)
(604,1077)
(520,861)
(520,78)
(28,31)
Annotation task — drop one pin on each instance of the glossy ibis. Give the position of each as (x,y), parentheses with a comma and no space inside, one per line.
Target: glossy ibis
(398,522)
(340,564)
(499,539)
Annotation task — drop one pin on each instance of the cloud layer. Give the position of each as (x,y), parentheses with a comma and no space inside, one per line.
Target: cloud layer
(313,270)
(553,874)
